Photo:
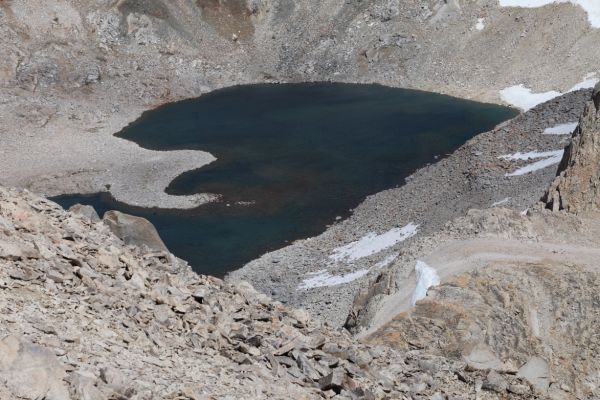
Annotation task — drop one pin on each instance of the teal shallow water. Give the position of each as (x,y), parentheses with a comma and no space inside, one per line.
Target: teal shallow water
(291,158)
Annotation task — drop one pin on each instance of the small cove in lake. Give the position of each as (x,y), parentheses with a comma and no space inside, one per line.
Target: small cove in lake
(290,159)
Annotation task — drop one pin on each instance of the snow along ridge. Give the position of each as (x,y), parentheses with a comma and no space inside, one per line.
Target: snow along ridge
(426,278)
(525,99)
(561,129)
(323,278)
(548,158)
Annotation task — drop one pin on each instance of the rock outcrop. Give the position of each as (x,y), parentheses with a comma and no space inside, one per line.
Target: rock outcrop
(512,321)
(85,211)
(577,185)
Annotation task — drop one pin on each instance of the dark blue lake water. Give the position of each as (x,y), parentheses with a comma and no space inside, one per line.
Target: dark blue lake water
(291,158)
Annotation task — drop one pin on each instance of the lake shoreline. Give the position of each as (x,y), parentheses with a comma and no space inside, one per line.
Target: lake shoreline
(291,159)
(94,157)
(85,126)
(473,177)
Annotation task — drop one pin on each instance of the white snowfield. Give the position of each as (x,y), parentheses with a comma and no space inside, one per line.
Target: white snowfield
(523,98)
(531,155)
(592,7)
(372,243)
(562,129)
(548,158)
(323,278)
(426,278)
(366,246)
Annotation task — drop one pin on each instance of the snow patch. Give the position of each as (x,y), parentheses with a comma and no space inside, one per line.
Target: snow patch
(531,155)
(480,25)
(372,243)
(592,7)
(323,278)
(500,202)
(562,129)
(426,278)
(548,158)
(524,98)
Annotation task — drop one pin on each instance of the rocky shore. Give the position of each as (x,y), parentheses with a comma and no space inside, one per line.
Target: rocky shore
(474,177)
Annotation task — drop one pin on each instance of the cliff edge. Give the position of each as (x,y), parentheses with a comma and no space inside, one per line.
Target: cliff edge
(577,185)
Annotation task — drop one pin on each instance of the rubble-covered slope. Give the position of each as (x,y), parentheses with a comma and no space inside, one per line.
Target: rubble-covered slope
(534,320)
(84,316)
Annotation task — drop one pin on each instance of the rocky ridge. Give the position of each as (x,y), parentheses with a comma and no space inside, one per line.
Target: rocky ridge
(576,186)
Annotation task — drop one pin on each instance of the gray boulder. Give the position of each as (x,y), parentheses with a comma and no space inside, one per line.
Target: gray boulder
(132,230)
(537,372)
(31,372)
(87,212)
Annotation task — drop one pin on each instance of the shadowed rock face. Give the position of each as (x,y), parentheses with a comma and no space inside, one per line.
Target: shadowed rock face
(577,185)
